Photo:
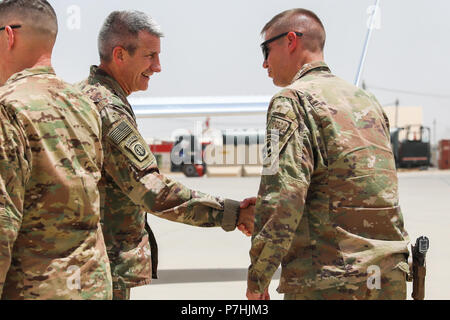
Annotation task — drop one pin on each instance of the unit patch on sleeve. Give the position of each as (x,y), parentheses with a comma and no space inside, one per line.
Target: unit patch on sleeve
(279,124)
(278,132)
(126,137)
(136,147)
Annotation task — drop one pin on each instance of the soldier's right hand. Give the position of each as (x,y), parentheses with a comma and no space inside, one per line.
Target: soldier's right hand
(246,220)
(248,202)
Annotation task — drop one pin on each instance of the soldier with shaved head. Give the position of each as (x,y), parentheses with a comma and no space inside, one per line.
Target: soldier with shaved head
(330,213)
(31,28)
(51,243)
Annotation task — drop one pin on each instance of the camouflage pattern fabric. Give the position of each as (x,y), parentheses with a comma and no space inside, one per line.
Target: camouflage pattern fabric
(121,294)
(393,287)
(51,244)
(331,210)
(131,184)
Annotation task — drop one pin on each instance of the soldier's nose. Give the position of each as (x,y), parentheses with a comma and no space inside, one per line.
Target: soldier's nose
(156,68)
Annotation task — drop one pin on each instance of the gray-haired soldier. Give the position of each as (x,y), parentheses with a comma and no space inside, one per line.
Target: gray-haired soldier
(129,48)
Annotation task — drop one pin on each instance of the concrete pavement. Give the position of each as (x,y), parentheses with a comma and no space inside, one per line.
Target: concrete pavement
(208,263)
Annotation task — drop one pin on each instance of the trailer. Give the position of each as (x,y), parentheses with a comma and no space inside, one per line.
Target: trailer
(411,146)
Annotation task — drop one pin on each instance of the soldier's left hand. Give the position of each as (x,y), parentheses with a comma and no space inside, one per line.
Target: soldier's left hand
(258,296)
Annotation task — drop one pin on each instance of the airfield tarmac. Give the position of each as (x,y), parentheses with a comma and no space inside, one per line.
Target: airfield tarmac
(210,264)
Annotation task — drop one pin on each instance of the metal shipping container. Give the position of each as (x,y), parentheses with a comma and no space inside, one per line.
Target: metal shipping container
(444,154)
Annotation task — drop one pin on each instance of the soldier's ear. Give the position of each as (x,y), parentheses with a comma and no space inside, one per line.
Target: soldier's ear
(118,54)
(292,41)
(10,36)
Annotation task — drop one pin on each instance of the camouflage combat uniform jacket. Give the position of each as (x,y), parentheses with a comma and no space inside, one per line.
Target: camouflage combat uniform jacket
(331,208)
(51,244)
(131,184)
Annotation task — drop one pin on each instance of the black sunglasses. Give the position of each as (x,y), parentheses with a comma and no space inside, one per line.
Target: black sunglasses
(16,26)
(265,48)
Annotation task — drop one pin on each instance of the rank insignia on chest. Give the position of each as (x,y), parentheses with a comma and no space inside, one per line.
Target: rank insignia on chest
(126,137)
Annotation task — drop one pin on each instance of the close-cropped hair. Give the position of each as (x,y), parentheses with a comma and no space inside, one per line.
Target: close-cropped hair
(286,21)
(38,13)
(121,29)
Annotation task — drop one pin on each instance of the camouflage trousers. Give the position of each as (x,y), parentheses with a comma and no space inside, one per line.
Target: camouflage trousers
(121,294)
(393,287)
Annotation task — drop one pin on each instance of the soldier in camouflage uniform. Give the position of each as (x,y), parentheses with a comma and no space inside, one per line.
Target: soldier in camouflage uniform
(330,213)
(129,46)
(51,243)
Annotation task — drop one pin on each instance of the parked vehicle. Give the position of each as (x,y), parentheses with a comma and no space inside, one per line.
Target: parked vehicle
(411,146)
(188,152)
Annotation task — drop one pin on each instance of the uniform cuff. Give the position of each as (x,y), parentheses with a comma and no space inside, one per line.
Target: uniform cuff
(255,284)
(230,214)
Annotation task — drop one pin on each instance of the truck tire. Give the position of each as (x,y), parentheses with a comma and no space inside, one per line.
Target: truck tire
(189,170)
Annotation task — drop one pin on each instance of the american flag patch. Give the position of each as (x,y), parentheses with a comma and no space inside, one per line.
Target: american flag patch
(122,131)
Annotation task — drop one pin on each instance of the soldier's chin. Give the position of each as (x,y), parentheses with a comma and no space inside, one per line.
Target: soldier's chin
(276,82)
(279,83)
(144,85)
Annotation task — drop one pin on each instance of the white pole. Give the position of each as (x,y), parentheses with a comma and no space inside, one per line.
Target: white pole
(366,44)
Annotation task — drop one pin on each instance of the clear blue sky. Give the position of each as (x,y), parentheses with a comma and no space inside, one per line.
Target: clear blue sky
(211,48)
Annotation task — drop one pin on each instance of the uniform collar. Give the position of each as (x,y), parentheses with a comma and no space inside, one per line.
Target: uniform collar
(98,75)
(30,72)
(316,65)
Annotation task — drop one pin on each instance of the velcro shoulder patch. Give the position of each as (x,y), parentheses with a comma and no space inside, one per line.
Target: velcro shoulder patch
(281,108)
(99,95)
(120,132)
(128,140)
(280,124)
(279,129)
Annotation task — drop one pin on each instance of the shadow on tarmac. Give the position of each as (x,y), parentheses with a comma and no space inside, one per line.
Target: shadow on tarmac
(203,275)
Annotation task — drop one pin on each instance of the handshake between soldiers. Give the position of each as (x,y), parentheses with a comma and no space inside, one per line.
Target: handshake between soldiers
(77,178)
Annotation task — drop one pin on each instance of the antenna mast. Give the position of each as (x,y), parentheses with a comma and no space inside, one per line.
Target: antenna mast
(366,44)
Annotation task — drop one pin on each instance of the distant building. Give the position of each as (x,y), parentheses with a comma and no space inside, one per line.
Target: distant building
(405,116)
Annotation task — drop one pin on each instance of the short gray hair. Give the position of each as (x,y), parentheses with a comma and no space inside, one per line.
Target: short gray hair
(121,28)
